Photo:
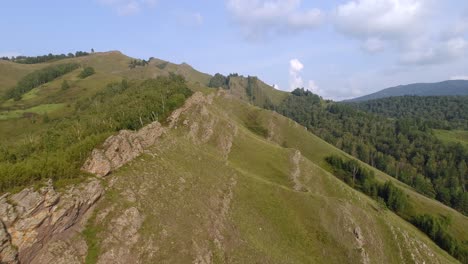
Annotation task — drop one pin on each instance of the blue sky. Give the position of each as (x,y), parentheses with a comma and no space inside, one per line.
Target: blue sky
(338,49)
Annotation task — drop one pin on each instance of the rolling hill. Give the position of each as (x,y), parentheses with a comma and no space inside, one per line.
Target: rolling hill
(218,180)
(446,88)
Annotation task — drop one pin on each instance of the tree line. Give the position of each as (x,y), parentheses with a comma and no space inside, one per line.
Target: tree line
(44,58)
(39,77)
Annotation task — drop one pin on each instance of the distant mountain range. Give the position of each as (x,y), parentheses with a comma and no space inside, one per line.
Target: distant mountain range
(445,88)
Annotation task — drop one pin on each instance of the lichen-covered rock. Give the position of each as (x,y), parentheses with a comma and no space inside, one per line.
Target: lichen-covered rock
(33,218)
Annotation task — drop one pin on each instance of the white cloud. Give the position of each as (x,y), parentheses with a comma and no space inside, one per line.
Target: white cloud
(9,54)
(260,18)
(459,77)
(436,53)
(385,19)
(128,7)
(407,27)
(295,79)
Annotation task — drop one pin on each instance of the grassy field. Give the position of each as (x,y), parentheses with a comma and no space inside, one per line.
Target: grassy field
(453,136)
(39,110)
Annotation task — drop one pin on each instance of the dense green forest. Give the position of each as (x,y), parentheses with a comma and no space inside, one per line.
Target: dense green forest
(39,77)
(443,112)
(392,197)
(44,58)
(405,148)
(59,151)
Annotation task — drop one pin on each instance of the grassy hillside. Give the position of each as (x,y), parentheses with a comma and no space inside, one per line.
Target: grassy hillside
(194,197)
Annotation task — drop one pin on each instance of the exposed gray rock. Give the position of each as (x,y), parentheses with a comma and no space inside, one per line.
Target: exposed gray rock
(117,150)
(33,218)
(8,254)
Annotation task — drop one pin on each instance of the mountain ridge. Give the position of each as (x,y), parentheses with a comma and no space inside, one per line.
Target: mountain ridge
(226,182)
(444,88)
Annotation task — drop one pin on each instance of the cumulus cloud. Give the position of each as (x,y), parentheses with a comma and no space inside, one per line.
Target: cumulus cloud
(295,79)
(380,22)
(128,7)
(260,18)
(380,18)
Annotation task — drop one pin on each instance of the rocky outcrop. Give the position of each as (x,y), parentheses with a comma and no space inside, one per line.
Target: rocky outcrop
(120,149)
(30,219)
(117,150)
(8,254)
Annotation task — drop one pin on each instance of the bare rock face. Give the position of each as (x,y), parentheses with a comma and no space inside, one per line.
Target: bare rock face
(119,149)
(30,219)
(8,253)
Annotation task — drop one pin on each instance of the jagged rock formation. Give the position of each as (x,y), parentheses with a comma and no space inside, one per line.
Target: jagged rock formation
(119,149)
(30,219)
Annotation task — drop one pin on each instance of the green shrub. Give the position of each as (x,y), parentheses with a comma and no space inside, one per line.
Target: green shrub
(86,72)
(65,85)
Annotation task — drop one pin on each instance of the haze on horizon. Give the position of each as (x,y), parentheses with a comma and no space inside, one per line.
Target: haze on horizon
(337,49)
